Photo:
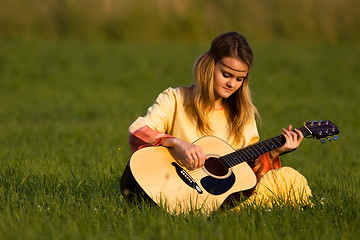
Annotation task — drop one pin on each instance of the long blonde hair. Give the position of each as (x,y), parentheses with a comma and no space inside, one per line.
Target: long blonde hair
(239,108)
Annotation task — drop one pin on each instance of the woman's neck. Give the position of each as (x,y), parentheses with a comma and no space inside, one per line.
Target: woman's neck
(219,104)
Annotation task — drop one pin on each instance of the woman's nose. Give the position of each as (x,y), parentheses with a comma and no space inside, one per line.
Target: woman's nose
(231,82)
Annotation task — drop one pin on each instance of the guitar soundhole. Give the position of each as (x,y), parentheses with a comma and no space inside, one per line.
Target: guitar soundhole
(215,167)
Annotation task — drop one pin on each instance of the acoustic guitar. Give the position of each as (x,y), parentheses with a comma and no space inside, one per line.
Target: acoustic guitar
(156,174)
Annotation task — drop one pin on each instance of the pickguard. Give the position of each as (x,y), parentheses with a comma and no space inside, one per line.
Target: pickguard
(218,186)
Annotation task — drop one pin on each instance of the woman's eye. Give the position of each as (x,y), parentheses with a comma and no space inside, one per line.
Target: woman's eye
(226,75)
(240,79)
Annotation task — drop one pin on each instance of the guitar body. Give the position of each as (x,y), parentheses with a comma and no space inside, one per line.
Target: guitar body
(158,173)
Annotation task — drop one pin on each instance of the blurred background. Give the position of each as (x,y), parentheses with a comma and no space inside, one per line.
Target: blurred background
(84,63)
(186,20)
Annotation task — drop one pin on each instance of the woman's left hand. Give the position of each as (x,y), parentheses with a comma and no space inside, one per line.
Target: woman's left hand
(293,140)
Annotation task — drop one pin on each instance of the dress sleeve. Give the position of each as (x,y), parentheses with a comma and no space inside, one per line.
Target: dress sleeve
(155,125)
(263,164)
(145,137)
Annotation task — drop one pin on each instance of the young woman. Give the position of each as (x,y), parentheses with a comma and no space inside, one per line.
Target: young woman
(219,104)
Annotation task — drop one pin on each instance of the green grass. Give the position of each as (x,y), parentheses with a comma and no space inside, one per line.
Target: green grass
(64,113)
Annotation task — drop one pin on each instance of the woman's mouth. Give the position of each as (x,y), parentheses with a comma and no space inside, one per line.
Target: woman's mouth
(228,90)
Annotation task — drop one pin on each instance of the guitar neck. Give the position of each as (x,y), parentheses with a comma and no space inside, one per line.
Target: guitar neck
(255,150)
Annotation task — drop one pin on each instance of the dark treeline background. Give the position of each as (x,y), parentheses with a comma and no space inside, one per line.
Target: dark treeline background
(186,20)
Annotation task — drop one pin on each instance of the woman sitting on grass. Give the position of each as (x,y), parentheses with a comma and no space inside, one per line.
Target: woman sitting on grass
(219,104)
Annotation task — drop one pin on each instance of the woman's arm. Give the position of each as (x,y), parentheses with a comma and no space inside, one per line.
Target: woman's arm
(190,154)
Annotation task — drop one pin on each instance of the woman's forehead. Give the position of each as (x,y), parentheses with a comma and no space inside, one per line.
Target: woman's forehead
(234,64)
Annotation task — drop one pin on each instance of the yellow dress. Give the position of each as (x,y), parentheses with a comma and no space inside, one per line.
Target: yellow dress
(169,117)
(279,187)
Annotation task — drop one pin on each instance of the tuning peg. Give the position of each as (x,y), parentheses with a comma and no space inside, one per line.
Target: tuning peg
(335,138)
(329,139)
(322,141)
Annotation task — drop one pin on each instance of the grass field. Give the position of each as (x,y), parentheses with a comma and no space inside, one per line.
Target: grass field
(64,113)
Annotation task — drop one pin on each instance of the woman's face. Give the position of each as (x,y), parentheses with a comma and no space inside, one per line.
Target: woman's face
(229,74)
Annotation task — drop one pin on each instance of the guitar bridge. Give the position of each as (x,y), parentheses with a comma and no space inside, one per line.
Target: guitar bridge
(185,176)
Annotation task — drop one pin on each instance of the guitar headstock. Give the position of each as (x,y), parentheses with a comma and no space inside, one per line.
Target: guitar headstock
(322,129)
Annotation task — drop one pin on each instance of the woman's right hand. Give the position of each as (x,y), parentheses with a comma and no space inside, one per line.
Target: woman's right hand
(190,154)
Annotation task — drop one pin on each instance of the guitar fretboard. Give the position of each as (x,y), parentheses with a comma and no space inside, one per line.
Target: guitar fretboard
(255,150)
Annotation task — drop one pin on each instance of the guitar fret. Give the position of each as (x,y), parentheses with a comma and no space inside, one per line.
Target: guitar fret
(253,151)
(253,154)
(266,147)
(262,147)
(267,142)
(278,141)
(228,160)
(232,160)
(240,156)
(247,153)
